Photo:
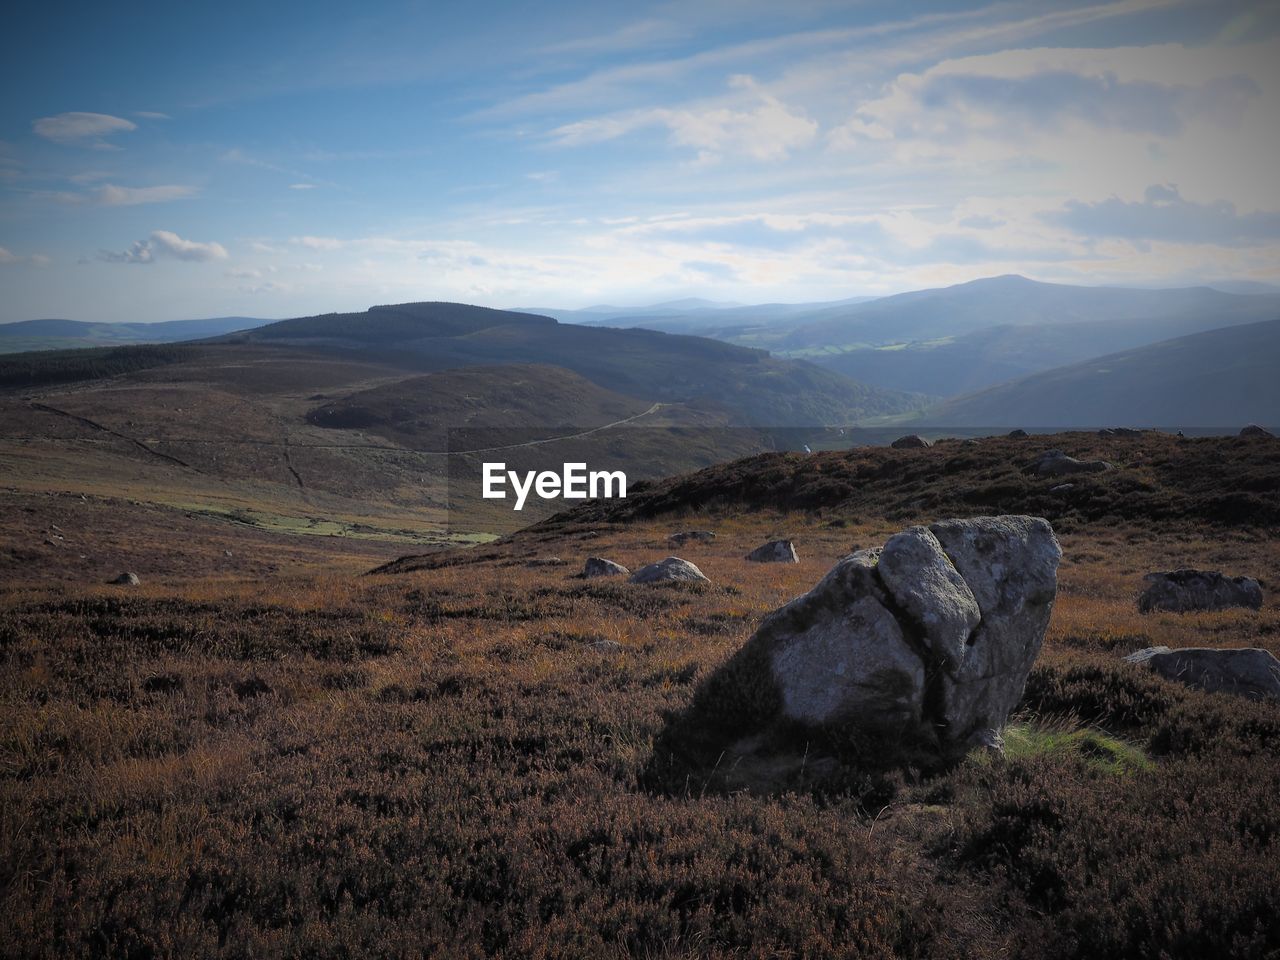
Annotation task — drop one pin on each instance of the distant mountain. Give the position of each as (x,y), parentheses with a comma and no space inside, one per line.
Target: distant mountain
(1221,378)
(1011,300)
(756,388)
(723,321)
(27,335)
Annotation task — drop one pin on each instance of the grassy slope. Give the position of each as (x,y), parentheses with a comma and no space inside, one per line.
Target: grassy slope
(440,762)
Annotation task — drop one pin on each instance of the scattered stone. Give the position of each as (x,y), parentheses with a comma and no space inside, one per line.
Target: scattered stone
(1182,591)
(1062,488)
(684,536)
(775,551)
(600,567)
(668,570)
(1018,434)
(604,646)
(126,579)
(1245,672)
(931,637)
(912,441)
(1055,463)
(1253,430)
(546,562)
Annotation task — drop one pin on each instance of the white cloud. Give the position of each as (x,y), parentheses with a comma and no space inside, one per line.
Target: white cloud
(151,115)
(9,258)
(302,186)
(756,124)
(317,243)
(77,127)
(166,244)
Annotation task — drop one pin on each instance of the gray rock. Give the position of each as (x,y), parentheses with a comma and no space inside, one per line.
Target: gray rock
(910,442)
(838,654)
(1119,432)
(923,581)
(1181,591)
(670,569)
(546,562)
(1062,488)
(1253,430)
(1011,565)
(1055,463)
(933,636)
(684,536)
(1018,434)
(775,551)
(126,579)
(1246,672)
(600,567)
(604,646)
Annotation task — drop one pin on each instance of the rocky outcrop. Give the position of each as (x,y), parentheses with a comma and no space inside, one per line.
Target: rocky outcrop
(600,567)
(1253,430)
(672,569)
(929,638)
(1184,591)
(1017,434)
(910,442)
(1055,463)
(775,551)
(1246,672)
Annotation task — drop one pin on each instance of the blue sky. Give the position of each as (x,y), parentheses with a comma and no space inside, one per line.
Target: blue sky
(165,161)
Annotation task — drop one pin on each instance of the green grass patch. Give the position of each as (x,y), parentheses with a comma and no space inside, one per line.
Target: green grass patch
(1098,749)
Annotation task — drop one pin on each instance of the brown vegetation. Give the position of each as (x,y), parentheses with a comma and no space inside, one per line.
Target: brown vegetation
(446,761)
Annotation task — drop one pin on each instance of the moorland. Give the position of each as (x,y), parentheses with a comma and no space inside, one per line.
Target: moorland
(306,750)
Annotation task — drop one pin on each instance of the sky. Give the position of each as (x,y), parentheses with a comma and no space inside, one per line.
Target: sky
(164,161)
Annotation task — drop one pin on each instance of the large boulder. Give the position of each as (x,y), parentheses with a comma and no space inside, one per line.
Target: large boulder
(672,569)
(1055,463)
(930,638)
(1253,430)
(126,579)
(1183,591)
(600,567)
(1247,672)
(775,551)
(910,442)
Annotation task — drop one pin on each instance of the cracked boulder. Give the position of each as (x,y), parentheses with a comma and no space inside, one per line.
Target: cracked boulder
(1183,591)
(928,639)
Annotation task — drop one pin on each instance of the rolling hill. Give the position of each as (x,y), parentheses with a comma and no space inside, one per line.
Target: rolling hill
(26,335)
(754,387)
(1220,378)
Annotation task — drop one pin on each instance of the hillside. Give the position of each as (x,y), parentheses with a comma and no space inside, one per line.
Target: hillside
(27,335)
(480,754)
(1222,378)
(758,389)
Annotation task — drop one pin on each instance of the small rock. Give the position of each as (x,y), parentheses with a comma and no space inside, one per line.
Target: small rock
(1055,463)
(775,551)
(1246,672)
(1253,430)
(1181,591)
(604,646)
(600,567)
(668,570)
(912,441)
(126,579)
(684,536)
(1018,434)
(546,562)
(1062,488)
